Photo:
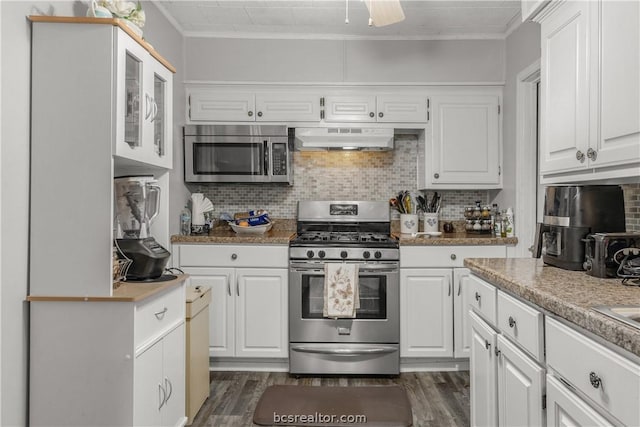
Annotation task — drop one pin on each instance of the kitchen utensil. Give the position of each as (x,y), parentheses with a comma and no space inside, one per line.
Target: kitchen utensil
(408,223)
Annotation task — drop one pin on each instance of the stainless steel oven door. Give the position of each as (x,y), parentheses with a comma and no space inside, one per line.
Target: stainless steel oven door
(377,320)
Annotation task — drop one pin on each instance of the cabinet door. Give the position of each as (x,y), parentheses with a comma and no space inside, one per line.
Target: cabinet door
(426,313)
(402,109)
(619,71)
(261,312)
(221,309)
(566,409)
(464,145)
(564,89)
(149,392)
(292,107)
(361,109)
(131,104)
(461,329)
(520,387)
(173,378)
(159,136)
(212,105)
(482,373)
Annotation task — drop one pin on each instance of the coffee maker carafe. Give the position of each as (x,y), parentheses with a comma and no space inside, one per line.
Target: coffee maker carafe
(137,204)
(570,214)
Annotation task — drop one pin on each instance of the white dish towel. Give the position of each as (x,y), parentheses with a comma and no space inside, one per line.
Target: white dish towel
(341,290)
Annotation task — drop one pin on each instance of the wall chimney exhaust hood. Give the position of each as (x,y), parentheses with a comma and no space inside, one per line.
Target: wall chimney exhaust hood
(344,138)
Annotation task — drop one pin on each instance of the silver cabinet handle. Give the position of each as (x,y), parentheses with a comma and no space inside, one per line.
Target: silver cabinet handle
(595,380)
(580,156)
(160,314)
(250,113)
(238,285)
(381,114)
(487,344)
(154,108)
(453,257)
(436,175)
(592,154)
(459,287)
(372,114)
(259,113)
(167,382)
(234,256)
(512,322)
(147,105)
(345,351)
(449,294)
(229,284)
(477,297)
(162,396)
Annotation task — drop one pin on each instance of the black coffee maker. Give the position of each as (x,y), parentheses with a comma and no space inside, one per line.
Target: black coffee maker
(570,214)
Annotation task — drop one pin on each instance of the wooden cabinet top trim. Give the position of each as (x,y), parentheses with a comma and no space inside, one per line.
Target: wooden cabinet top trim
(105,21)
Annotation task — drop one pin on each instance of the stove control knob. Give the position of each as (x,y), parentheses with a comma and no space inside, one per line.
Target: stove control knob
(343,254)
(309,254)
(321,254)
(366,254)
(378,255)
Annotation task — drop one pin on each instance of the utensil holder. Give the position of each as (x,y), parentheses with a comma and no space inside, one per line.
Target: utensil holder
(430,221)
(408,223)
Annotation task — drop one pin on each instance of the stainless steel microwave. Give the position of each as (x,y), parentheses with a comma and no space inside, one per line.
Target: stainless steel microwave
(237,153)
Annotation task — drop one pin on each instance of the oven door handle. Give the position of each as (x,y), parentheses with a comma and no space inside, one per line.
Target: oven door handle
(346,351)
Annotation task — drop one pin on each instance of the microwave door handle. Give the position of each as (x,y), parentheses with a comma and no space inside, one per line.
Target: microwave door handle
(266,158)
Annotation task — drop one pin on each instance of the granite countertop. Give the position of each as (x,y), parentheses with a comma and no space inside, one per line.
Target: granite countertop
(224,235)
(447,239)
(567,294)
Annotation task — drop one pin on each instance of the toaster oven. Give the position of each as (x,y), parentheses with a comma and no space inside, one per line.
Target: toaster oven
(604,252)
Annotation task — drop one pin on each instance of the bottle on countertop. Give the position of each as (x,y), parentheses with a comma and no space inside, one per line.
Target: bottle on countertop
(497,223)
(503,223)
(185,221)
(509,223)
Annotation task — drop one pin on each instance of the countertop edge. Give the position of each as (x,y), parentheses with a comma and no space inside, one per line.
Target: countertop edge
(615,333)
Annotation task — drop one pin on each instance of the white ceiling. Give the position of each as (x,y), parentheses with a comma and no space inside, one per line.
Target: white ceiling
(325,19)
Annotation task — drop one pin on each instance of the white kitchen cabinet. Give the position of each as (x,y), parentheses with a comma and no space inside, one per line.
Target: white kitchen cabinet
(249,292)
(426,313)
(224,105)
(138,347)
(401,108)
(143,103)
(483,378)
(429,276)
(350,108)
(566,409)
(463,144)
(372,108)
(520,387)
(590,91)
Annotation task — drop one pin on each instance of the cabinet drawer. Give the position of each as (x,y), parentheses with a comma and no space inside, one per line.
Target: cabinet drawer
(482,298)
(155,316)
(446,256)
(269,256)
(521,323)
(582,361)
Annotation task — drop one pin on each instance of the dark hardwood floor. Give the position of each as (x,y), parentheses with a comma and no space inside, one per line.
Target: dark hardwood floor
(438,399)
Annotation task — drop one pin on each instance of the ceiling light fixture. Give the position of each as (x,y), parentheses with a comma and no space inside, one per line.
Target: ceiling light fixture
(381,12)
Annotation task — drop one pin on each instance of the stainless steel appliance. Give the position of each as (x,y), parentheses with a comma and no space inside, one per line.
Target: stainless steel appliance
(137,204)
(570,214)
(237,153)
(604,252)
(344,232)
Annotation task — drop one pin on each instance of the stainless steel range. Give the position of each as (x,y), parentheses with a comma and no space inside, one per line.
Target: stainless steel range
(354,233)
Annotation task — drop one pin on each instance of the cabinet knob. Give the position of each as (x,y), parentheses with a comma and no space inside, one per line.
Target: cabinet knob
(381,114)
(595,380)
(234,256)
(592,154)
(436,175)
(372,114)
(487,344)
(512,322)
(453,257)
(580,156)
(477,297)
(250,113)
(259,113)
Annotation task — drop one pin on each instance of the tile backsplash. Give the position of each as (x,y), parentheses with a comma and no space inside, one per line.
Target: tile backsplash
(632,206)
(338,175)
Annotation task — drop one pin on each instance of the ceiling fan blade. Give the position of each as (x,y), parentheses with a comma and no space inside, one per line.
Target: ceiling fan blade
(385,12)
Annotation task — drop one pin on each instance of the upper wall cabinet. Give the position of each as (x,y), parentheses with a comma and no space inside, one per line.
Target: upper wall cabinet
(210,105)
(590,91)
(463,147)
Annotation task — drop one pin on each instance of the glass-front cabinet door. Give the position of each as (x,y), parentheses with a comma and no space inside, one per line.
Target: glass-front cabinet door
(160,94)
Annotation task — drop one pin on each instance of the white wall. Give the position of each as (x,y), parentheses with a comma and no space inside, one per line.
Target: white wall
(352,61)
(14,180)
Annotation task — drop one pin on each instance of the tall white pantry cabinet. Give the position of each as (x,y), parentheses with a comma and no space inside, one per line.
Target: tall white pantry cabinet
(101,107)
